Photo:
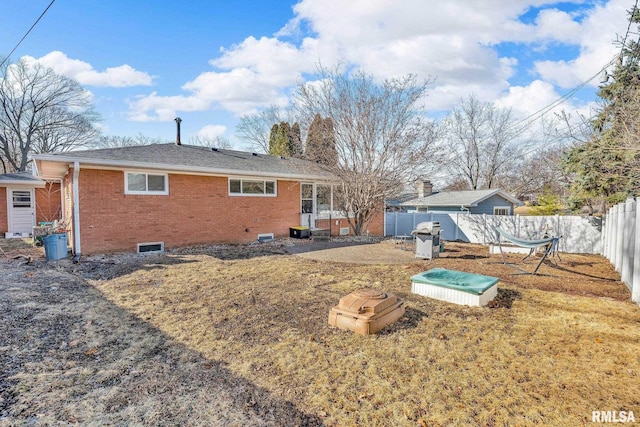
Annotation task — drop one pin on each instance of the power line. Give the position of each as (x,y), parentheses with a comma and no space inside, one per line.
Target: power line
(544,110)
(26,34)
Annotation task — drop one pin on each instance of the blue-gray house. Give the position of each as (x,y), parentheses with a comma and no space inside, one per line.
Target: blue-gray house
(491,202)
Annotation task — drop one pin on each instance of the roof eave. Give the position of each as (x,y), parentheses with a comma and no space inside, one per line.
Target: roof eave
(32,183)
(176,168)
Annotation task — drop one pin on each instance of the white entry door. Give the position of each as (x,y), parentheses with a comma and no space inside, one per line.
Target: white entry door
(307,201)
(21,209)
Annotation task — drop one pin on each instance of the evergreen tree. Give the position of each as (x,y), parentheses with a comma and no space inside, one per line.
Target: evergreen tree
(281,144)
(329,153)
(548,204)
(321,144)
(295,141)
(272,137)
(314,139)
(608,165)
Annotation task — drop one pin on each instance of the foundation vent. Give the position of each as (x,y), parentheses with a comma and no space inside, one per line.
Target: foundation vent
(151,248)
(266,237)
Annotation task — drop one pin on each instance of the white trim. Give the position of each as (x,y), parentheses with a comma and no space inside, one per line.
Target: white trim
(172,168)
(150,244)
(508,208)
(76,210)
(453,295)
(146,192)
(10,219)
(502,194)
(275,187)
(19,183)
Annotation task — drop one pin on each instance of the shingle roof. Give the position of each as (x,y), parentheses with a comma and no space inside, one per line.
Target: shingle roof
(194,158)
(20,178)
(458,198)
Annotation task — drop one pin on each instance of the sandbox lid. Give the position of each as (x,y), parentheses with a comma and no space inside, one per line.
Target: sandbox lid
(367,300)
(459,280)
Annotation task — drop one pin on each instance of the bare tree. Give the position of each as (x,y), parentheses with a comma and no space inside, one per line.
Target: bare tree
(256,128)
(382,136)
(41,112)
(217,141)
(480,140)
(115,141)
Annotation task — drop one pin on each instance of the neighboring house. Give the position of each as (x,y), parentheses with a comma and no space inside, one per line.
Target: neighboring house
(29,200)
(147,198)
(491,202)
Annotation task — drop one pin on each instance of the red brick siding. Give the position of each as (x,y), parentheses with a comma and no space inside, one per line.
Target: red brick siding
(197,210)
(48,203)
(4,215)
(375,227)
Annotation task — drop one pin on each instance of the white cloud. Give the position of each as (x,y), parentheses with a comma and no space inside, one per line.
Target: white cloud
(458,43)
(596,34)
(85,74)
(163,108)
(526,100)
(211,131)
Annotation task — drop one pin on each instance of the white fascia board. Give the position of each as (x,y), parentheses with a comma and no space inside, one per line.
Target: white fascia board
(501,193)
(13,183)
(174,168)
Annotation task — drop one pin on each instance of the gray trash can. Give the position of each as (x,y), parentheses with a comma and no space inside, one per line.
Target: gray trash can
(427,240)
(55,246)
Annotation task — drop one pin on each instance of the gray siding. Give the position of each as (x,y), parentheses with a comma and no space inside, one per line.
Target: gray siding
(486,206)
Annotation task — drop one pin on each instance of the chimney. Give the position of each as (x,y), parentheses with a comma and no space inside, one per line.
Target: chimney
(425,188)
(178,121)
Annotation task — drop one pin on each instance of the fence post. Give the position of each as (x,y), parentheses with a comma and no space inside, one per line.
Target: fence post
(614,235)
(604,238)
(628,243)
(395,224)
(635,280)
(484,229)
(620,237)
(612,238)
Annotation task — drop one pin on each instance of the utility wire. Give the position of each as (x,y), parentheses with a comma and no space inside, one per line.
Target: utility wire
(26,34)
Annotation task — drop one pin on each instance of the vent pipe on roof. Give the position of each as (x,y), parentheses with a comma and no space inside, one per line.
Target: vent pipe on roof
(178,121)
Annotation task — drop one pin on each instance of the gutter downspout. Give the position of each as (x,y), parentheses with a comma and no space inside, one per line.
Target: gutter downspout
(76,212)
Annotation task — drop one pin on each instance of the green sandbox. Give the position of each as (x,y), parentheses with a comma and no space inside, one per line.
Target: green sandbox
(471,283)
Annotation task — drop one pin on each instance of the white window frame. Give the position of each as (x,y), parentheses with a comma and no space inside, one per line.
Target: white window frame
(160,251)
(507,208)
(146,192)
(264,185)
(333,212)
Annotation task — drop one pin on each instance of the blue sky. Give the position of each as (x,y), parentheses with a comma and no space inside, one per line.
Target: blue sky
(210,62)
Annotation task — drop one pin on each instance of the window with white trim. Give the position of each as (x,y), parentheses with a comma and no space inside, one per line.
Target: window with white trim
(306,195)
(146,183)
(501,210)
(252,187)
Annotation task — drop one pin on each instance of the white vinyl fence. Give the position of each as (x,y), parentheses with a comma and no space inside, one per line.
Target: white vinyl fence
(579,234)
(621,243)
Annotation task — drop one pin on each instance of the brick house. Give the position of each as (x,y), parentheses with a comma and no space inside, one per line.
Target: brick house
(29,200)
(147,198)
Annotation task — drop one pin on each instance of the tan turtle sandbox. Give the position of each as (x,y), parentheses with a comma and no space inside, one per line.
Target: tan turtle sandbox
(366,311)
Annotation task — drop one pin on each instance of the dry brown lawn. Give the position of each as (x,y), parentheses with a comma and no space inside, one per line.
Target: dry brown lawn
(238,335)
